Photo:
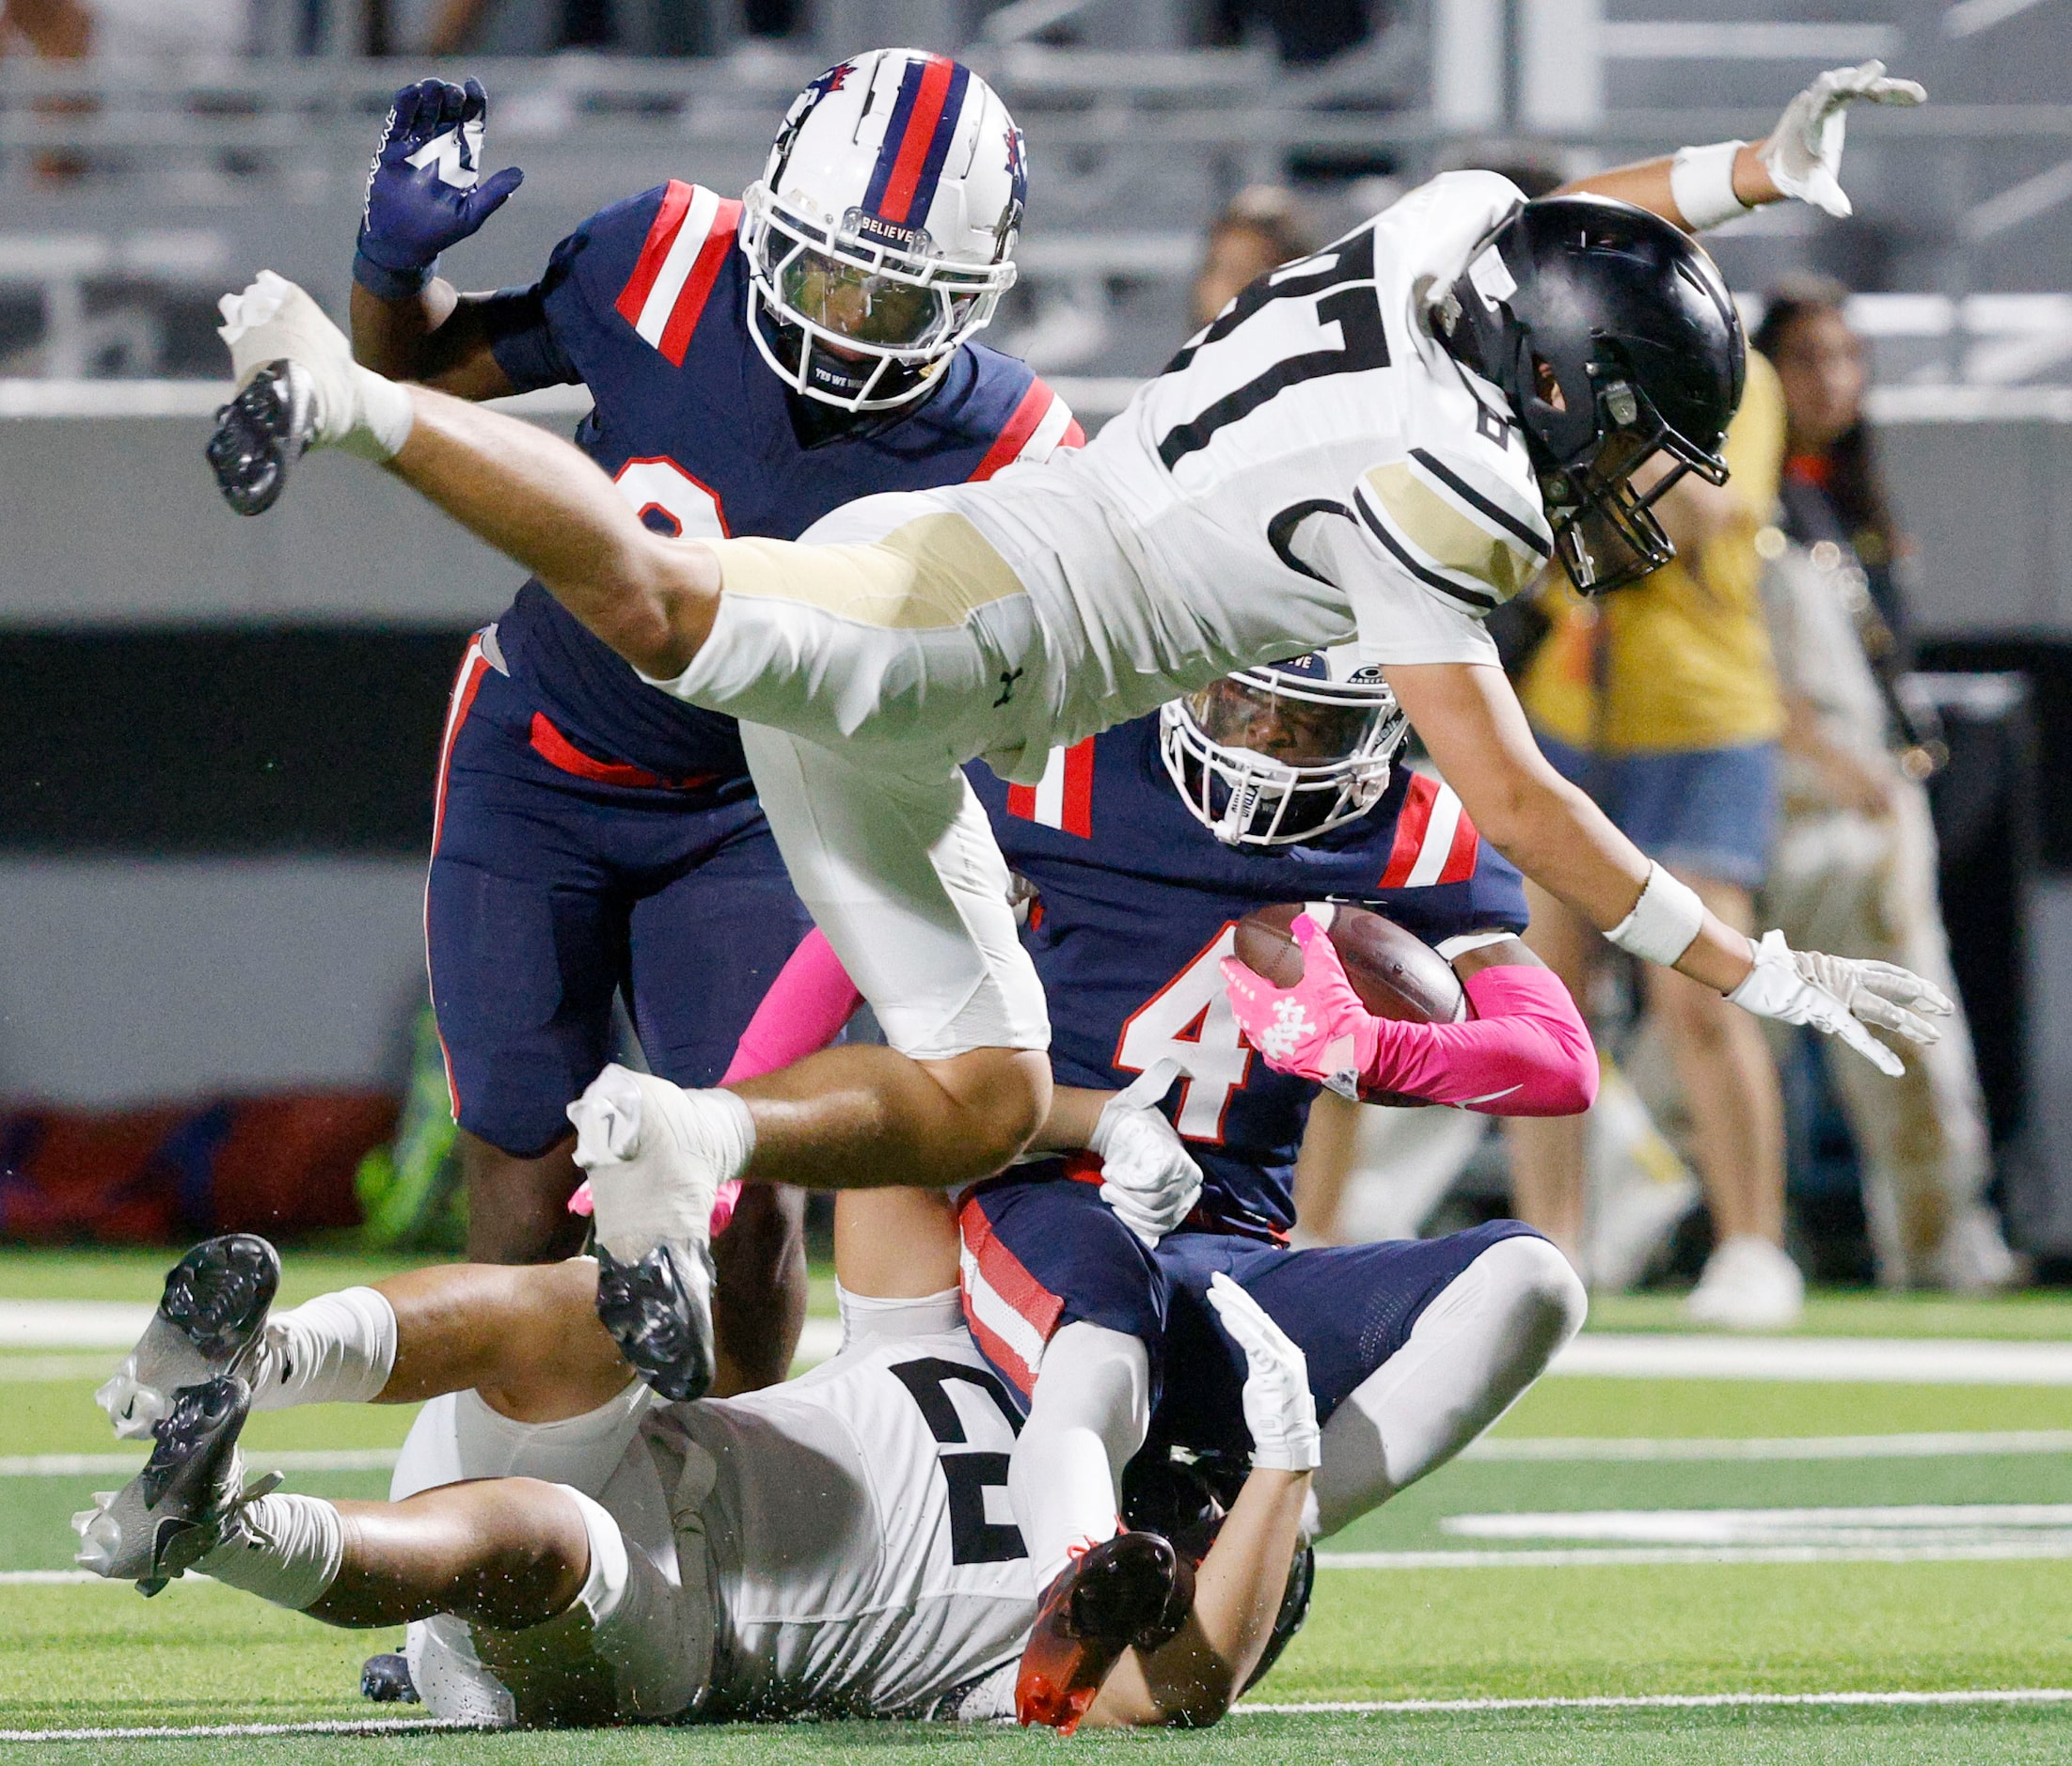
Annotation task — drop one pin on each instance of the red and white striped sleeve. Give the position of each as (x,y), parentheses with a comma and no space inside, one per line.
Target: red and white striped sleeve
(1040,425)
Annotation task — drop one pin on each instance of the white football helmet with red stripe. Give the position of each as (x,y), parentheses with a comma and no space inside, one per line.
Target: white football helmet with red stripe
(1276,755)
(880,235)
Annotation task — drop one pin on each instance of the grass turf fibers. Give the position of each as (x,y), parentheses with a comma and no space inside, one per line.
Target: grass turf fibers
(74,1656)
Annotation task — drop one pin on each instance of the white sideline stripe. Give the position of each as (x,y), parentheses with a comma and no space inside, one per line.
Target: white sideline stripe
(1642,1450)
(72,1324)
(1368,1706)
(371,1725)
(65,1465)
(1596,1556)
(1911,1524)
(1658,1701)
(1910,1360)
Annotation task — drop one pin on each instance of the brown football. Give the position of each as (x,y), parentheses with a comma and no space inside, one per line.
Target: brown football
(1395,973)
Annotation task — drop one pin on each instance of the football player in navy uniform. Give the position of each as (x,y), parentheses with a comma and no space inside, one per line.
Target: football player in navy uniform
(1139,852)
(753,365)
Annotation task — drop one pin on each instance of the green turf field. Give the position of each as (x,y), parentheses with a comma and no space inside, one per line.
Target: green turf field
(1568,1604)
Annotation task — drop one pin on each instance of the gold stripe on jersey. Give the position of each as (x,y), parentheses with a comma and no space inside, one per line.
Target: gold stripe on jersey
(1453,541)
(931,573)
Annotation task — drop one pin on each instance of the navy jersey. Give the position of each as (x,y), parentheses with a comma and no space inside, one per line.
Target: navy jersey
(646,303)
(1136,903)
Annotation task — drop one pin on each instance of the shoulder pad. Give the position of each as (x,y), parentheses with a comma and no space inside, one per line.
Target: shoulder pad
(658,279)
(1456,524)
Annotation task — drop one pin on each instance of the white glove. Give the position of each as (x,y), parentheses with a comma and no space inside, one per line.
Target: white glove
(1804,150)
(271,320)
(1832,993)
(1147,1176)
(1278,1408)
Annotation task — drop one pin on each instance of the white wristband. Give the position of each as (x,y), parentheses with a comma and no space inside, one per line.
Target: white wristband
(387,417)
(1701,184)
(1664,922)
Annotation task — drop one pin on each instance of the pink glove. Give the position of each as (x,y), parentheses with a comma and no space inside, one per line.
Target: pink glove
(804,1011)
(1526,1052)
(1316,1029)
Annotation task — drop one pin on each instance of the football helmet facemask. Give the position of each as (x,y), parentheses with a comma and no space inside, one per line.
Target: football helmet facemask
(1278,754)
(879,236)
(1615,343)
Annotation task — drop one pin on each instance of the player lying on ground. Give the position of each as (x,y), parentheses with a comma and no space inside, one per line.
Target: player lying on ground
(1385,441)
(579,1551)
(1137,857)
(594,833)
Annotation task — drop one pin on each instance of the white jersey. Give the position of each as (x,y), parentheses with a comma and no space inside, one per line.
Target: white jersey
(1312,468)
(840,1544)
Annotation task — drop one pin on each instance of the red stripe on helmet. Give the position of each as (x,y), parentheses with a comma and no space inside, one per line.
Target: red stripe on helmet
(913,145)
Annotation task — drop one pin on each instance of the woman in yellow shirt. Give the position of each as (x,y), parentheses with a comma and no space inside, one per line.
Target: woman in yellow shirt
(1661,701)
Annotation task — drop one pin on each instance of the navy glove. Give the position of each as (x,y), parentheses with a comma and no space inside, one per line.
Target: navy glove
(425,190)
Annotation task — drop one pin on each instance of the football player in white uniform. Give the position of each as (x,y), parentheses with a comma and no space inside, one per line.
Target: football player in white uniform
(1383,441)
(573,1550)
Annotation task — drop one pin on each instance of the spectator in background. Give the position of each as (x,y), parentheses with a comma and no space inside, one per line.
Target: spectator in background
(1855,863)
(69,30)
(1263,227)
(1661,701)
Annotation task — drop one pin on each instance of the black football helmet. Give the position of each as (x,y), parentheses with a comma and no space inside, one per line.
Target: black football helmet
(1613,339)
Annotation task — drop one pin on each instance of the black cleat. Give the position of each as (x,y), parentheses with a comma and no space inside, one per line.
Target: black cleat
(210,1322)
(385,1679)
(1132,1591)
(659,1311)
(260,435)
(179,1508)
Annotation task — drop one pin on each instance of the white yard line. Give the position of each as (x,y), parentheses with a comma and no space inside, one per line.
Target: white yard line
(1661,1701)
(1363,1707)
(1600,1556)
(1912,1361)
(1642,1450)
(72,1465)
(72,1324)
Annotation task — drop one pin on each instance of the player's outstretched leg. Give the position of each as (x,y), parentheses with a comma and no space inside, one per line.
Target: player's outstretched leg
(215,1317)
(186,1501)
(1132,1591)
(209,1323)
(656,1156)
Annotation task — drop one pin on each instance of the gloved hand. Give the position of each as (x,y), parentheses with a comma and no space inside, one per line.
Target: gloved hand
(425,190)
(1147,1176)
(272,319)
(1279,1409)
(1804,151)
(1833,993)
(1316,1029)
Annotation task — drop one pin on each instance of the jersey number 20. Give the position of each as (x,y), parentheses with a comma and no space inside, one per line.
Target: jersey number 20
(1189,1019)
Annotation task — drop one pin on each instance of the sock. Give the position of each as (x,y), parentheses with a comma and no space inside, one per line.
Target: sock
(288,1549)
(1090,1413)
(387,417)
(867,1316)
(338,1348)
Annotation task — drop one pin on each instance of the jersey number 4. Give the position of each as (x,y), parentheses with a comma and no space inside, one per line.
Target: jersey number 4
(1341,283)
(1189,1019)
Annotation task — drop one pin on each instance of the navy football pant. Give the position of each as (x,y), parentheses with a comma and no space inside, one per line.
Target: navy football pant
(550,891)
(1039,1256)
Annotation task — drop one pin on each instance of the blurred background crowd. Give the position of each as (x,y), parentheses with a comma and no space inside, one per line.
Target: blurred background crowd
(1835,714)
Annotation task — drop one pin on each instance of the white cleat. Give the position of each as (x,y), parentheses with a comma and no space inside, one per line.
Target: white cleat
(655,1156)
(210,1322)
(1749,1284)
